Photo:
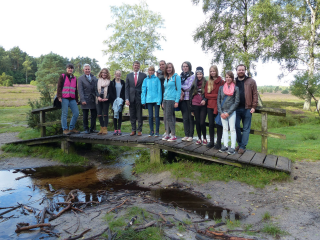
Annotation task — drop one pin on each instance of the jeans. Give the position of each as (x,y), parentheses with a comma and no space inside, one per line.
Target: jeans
(168,106)
(245,116)
(232,121)
(200,114)
(212,117)
(93,119)
(103,113)
(188,122)
(156,113)
(75,113)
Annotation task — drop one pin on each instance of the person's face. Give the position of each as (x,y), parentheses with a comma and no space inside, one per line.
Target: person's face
(241,71)
(118,74)
(69,70)
(162,66)
(229,80)
(87,70)
(104,74)
(151,72)
(169,69)
(136,67)
(213,73)
(199,75)
(185,67)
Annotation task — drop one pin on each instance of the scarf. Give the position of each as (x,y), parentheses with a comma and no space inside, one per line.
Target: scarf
(184,76)
(228,89)
(103,83)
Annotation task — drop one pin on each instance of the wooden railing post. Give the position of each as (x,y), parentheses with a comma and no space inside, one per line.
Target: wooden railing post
(264,135)
(42,121)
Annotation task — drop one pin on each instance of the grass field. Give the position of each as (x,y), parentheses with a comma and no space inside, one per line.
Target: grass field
(18,95)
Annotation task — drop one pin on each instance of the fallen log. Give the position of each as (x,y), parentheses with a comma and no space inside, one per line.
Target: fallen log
(28,209)
(149,224)
(18,178)
(220,235)
(117,206)
(155,183)
(19,229)
(76,203)
(43,214)
(13,208)
(59,214)
(78,236)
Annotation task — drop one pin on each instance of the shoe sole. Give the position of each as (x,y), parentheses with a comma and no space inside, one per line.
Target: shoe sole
(231,153)
(222,151)
(172,140)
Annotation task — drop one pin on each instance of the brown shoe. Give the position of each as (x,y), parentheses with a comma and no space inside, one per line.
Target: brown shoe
(104,131)
(139,133)
(74,131)
(66,132)
(101,130)
(237,148)
(241,151)
(133,133)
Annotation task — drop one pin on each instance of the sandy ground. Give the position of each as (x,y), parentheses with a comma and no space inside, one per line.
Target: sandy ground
(293,205)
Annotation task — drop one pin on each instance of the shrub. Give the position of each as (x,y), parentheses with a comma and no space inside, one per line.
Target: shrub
(286,91)
(33,83)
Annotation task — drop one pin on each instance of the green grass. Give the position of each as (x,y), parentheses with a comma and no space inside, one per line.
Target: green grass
(266,216)
(273,229)
(232,225)
(42,151)
(255,176)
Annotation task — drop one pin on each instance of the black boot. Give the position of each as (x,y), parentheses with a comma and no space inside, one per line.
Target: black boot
(210,144)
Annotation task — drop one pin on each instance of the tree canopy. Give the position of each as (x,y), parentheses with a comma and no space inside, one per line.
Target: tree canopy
(135,36)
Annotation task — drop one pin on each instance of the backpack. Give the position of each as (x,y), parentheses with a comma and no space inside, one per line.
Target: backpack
(56,102)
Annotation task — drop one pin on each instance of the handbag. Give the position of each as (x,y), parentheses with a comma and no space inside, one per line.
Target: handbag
(218,117)
(56,102)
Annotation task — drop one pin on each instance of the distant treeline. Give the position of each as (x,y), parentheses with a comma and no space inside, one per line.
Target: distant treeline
(17,67)
(273,89)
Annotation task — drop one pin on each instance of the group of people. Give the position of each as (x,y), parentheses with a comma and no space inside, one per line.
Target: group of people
(227,102)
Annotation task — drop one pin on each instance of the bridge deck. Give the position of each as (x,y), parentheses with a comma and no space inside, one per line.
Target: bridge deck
(187,148)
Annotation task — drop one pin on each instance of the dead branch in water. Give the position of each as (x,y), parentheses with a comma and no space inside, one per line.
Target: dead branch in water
(59,214)
(117,206)
(19,229)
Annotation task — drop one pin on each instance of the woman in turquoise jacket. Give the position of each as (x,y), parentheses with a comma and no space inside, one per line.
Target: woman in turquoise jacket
(152,96)
(171,97)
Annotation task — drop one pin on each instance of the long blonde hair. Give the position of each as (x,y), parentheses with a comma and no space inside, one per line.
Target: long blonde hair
(211,80)
(108,73)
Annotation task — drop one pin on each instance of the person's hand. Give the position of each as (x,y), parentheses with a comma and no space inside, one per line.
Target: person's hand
(143,105)
(176,105)
(227,115)
(203,102)
(162,106)
(223,116)
(99,99)
(127,103)
(252,110)
(192,114)
(106,99)
(60,100)
(84,103)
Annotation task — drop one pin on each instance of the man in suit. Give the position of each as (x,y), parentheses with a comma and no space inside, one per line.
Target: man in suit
(133,91)
(86,87)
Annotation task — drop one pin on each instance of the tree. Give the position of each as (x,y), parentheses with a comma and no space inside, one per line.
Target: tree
(6,80)
(298,39)
(238,31)
(48,74)
(26,67)
(305,84)
(135,36)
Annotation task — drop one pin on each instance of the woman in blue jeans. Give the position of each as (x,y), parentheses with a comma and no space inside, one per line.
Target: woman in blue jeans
(67,94)
(152,96)
(228,101)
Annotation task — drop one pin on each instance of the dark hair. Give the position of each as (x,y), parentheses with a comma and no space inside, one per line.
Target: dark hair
(162,61)
(70,65)
(230,74)
(165,71)
(242,65)
(136,62)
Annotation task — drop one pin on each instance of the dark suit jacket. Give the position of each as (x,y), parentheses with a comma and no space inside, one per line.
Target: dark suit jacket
(87,91)
(133,93)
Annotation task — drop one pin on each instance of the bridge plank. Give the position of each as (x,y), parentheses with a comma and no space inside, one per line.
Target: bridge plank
(171,144)
(221,155)
(211,152)
(246,157)
(148,140)
(283,164)
(258,159)
(192,147)
(234,157)
(181,145)
(270,161)
(120,138)
(201,149)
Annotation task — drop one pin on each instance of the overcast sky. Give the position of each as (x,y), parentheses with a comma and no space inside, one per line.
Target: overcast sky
(78,28)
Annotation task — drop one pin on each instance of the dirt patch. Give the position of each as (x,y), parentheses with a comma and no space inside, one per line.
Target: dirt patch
(295,112)
(293,205)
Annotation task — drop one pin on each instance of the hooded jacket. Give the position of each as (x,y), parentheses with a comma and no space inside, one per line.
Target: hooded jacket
(172,88)
(151,90)
(213,95)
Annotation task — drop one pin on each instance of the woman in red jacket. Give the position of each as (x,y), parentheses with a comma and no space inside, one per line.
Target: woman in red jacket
(211,93)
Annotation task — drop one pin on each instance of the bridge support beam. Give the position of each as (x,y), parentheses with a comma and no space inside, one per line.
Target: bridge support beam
(155,155)
(67,147)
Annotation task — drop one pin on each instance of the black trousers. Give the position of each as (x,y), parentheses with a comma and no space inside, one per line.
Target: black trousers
(135,109)
(212,122)
(188,122)
(200,113)
(103,113)
(117,122)
(93,113)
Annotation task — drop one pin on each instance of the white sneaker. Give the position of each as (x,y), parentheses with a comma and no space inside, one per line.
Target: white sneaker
(190,139)
(184,139)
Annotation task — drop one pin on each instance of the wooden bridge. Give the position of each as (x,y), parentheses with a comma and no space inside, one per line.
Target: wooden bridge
(155,144)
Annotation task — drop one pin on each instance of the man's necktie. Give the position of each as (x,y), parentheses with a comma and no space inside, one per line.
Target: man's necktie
(135,79)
